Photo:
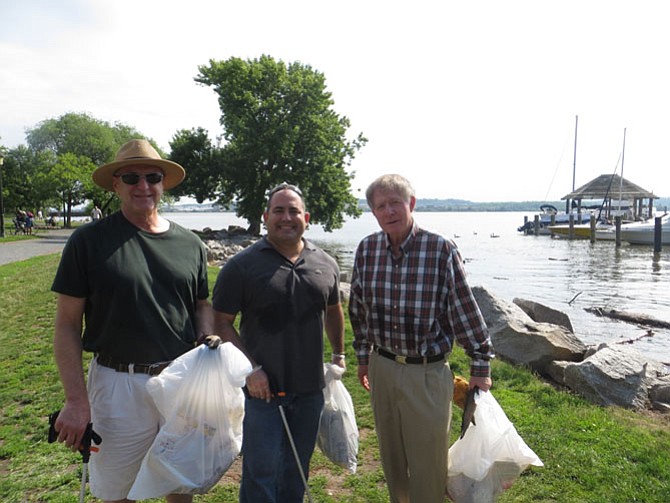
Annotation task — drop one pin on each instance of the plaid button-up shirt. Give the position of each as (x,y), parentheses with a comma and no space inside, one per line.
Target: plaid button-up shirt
(416,304)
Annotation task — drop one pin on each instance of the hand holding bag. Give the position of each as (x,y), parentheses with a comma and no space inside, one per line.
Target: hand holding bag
(338,433)
(200,398)
(489,457)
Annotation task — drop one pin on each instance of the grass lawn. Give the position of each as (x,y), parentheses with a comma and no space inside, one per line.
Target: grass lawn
(591,454)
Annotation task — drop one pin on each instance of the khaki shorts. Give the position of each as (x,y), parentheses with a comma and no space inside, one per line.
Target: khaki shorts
(124,415)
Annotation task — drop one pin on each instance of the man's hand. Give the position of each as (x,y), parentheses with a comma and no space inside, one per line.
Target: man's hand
(338,359)
(71,423)
(213,341)
(363,376)
(483,383)
(258,385)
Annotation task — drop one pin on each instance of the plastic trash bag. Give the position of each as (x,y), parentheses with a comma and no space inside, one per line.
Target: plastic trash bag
(490,456)
(338,433)
(200,398)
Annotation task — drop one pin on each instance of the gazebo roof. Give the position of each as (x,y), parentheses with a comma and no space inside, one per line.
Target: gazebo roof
(598,189)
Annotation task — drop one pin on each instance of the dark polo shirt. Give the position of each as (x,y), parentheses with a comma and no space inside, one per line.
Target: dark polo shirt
(282,308)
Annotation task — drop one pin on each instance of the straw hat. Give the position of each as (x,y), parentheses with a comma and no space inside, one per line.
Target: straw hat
(138,152)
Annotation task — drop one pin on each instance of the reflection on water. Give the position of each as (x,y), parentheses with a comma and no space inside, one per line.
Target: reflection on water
(550,271)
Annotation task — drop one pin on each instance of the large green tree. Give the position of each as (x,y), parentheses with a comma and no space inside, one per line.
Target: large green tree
(278,126)
(24,184)
(73,175)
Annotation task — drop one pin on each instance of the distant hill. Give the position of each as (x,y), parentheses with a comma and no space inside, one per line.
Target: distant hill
(435,205)
(463,205)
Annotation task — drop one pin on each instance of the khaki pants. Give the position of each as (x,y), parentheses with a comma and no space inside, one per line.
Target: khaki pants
(412,410)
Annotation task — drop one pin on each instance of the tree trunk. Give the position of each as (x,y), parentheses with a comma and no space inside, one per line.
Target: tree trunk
(254,228)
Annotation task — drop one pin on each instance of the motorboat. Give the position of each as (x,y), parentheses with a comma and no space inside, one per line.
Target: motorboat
(580,231)
(549,212)
(642,233)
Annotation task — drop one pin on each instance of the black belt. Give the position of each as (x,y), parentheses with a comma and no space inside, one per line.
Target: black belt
(153,369)
(409,359)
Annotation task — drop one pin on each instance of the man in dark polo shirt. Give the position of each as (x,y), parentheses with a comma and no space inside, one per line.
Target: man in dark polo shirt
(287,291)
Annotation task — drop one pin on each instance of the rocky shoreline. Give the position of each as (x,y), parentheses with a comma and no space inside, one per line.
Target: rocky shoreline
(223,244)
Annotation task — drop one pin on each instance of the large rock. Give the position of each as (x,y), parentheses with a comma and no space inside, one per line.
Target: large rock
(618,375)
(520,340)
(544,314)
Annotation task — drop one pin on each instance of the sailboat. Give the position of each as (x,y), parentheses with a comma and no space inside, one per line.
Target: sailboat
(549,214)
(604,228)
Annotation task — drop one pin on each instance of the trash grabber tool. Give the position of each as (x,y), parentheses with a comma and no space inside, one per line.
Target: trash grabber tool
(295,451)
(85,449)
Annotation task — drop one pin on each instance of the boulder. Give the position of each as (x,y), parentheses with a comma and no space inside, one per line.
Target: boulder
(556,370)
(544,314)
(618,375)
(520,340)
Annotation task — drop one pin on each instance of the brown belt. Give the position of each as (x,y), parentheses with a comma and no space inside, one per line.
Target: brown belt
(153,369)
(409,359)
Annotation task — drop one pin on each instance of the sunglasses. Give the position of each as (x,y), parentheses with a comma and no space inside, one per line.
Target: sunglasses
(285,186)
(134,178)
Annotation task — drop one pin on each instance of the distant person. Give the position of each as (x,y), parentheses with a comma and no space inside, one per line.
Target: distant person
(287,291)
(96,214)
(20,221)
(132,289)
(40,216)
(409,303)
(29,221)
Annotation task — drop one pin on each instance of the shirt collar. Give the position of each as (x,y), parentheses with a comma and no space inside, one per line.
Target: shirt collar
(407,243)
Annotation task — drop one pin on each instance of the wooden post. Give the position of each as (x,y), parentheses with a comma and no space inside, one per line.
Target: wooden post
(536,225)
(592,223)
(658,229)
(571,232)
(617,230)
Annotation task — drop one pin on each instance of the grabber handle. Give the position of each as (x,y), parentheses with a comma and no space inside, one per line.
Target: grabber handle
(89,435)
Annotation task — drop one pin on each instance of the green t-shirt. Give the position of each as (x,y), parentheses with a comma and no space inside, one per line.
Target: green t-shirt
(141,289)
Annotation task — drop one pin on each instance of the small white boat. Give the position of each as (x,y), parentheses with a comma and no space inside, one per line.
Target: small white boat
(642,233)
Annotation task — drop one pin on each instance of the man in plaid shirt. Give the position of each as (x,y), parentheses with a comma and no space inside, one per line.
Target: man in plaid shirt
(409,302)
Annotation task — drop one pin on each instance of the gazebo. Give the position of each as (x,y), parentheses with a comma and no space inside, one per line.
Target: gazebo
(608,188)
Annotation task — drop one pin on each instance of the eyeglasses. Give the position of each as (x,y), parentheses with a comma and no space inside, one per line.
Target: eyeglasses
(134,178)
(285,186)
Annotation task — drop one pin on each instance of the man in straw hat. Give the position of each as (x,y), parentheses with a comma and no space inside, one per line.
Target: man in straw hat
(132,289)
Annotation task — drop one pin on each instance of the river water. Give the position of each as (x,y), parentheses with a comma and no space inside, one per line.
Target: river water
(553,272)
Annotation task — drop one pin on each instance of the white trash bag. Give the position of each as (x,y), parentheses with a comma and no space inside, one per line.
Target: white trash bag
(200,398)
(490,456)
(338,433)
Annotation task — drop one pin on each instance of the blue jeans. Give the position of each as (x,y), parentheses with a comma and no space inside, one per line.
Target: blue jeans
(269,470)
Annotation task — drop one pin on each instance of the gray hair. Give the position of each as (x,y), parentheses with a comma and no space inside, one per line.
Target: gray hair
(395,183)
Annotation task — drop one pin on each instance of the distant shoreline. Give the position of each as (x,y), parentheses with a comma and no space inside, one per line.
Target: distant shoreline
(426,205)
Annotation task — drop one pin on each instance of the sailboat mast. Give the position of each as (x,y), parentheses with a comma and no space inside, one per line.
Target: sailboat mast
(574,156)
(623,155)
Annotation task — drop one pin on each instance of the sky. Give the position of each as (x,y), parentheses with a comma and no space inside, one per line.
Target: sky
(472,100)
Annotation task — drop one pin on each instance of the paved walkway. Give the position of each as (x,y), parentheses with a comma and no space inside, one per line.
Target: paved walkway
(48,242)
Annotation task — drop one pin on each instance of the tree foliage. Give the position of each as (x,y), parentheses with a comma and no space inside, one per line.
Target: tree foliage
(55,168)
(72,174)
(194,150)
(24,186)
(279,126)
